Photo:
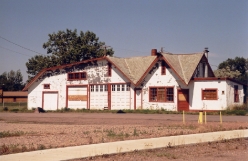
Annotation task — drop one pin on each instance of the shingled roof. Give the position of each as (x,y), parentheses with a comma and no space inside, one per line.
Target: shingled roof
(135,67)
(183,64)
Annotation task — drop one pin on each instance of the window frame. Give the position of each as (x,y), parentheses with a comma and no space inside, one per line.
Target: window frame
(236,93)
(77,76)
(210,89)
(46,86)
(154,92)
(109,69)
(163,68)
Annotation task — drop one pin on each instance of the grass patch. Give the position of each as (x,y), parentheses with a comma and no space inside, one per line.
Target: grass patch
(4,134)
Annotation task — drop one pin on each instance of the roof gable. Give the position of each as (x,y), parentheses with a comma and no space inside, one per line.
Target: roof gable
(134,68)
(184,65)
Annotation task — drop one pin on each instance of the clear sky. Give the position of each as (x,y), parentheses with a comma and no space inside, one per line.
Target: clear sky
(131,28)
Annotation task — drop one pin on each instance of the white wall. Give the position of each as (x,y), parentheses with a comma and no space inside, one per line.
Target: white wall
(96,74)
(195,99)
(225,90)
(154,79)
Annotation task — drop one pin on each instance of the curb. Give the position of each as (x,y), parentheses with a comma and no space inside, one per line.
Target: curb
(122,146)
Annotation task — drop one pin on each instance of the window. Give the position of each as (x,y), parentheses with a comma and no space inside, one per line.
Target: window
(83,75)
(113,87)
(109,70)
(236,93)
(128,87)
(123,87)
(118,87)
(170,94)
(161,94)
(209,94)
(46,86)
(96,88)
(77,76)
(92,88)
(163,68)
(105,87)
(101,88)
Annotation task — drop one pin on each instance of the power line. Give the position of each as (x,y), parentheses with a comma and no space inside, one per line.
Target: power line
(20,46)
(14,51)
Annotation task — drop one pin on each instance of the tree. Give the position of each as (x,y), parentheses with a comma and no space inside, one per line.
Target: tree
(233,68)
(66,47)
(12,81)
(226,73)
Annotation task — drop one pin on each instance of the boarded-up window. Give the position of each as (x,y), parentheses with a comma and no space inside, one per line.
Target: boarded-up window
(209,94)
(236,93)
(161,94)
(163,68)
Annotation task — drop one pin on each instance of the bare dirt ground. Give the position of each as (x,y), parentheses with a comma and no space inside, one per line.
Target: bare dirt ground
(37,131)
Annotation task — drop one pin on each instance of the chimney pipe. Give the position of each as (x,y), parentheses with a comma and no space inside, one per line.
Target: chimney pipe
(154,52)
(206,52)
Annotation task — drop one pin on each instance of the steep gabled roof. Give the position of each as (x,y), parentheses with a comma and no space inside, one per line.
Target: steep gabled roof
(183,64)
(135,67)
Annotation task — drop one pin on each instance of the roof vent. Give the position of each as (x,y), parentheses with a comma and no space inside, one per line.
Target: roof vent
(154,52)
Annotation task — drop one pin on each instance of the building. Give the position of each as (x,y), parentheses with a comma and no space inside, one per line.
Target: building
(13,96)
(161,80)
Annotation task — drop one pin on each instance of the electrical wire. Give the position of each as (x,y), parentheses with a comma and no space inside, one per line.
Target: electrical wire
(15,51)
(20,46)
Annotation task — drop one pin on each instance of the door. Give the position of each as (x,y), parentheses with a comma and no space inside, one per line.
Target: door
(77,97)
(98,96)
(120,96)
(183,100)
(50,101)
(138,99)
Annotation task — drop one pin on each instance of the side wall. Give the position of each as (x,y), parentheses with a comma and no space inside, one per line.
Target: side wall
(97,74)
(225,94)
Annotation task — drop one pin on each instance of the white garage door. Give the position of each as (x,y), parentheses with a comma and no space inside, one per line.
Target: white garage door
(98,96)
(77,97)
(50,101)
(120,96)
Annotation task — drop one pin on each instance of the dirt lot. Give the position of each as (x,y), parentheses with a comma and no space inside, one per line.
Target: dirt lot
(32,131)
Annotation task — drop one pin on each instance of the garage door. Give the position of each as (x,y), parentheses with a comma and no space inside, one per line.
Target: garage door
(120,96)
(98,96)
(50,100)
(77,97)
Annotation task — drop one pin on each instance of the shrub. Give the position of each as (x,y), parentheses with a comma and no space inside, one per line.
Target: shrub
(5,109)
(14,110)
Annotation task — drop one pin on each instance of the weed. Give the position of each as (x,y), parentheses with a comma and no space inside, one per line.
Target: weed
(41,147)
(135,132)
(4,134)
(4,149)
(111,133)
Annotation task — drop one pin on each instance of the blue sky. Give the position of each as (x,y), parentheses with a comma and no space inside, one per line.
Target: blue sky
(131,28)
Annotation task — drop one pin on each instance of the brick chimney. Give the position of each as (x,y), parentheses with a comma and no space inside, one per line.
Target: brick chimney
(154,52)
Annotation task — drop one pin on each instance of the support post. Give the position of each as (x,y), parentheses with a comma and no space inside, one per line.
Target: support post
(205,117)
(183,118)
(200,119)
(220,118)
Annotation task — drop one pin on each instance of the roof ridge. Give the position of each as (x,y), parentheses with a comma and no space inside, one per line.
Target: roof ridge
(128,69)
(181,68)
